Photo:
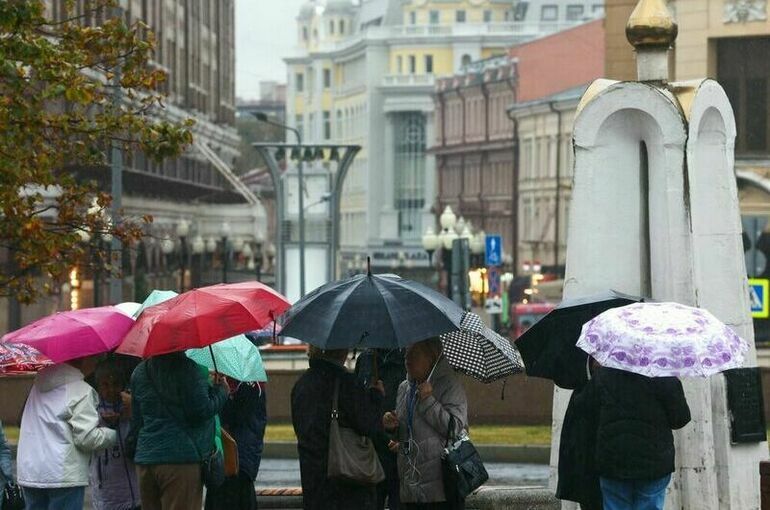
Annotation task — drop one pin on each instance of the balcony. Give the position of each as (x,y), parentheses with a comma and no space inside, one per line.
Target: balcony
(409,80)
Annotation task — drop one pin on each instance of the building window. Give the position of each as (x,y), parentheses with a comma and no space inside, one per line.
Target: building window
(520,11)
(429,64)
(338,125)
(409,176)
(434,17)
(746,80)
(597,9)
(327,78)
(575,12)
(549,13)
(465,60)
(315,34)
(304,34)
(460,16)
(413,18)
(299,82)
(327,125)
(487,16)
(331,27)
(400,64)
(299,125)
(342,26)
(412,64)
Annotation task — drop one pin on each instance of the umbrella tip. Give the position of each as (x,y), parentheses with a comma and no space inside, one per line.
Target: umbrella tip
(368,266)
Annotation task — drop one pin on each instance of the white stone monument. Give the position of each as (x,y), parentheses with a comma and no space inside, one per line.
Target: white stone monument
(655,213)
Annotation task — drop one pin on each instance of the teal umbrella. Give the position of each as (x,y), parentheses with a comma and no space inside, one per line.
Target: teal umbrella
(236,357)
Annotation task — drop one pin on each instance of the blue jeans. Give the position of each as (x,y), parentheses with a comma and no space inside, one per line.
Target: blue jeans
(69,498)
(634,494)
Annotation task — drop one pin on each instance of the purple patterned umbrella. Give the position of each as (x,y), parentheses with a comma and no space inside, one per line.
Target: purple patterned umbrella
(661,340)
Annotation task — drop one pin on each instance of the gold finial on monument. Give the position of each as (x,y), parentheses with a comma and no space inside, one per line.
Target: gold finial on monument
(651,25)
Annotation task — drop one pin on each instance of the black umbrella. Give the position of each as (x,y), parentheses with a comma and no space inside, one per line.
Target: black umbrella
(548,347)
(479,352)
(379,311)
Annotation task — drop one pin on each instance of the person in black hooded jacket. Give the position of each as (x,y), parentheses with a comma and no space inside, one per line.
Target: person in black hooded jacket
(635,444)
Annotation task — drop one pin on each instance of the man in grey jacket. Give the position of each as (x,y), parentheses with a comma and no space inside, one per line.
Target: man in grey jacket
(429,401)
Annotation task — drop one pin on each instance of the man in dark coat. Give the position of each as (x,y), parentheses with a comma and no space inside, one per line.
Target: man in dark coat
(388,365)
(578,477)
(635,444)
(311,405)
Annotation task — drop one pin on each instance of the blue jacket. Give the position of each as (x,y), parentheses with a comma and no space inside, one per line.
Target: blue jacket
(245,417)
(173,410)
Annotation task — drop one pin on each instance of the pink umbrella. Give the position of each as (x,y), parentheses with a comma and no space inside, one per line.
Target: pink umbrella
(70,335)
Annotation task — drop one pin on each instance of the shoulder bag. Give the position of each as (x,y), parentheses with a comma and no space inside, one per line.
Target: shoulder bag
(229,453)
(13,498)
(462,468)
(212,465)
(352,457)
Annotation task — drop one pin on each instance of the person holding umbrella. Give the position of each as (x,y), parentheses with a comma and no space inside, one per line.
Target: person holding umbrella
(60,423)
(311,408)
(431,405)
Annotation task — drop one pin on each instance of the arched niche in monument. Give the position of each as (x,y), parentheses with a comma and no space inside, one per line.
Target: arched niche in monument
(628,188)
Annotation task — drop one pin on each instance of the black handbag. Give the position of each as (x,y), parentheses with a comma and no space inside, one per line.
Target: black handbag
(462,468)
(13,498)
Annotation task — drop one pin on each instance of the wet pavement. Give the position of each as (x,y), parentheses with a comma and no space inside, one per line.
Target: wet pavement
(285,473)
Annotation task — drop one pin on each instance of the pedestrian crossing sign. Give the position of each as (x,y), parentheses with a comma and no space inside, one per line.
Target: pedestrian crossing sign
(758,294)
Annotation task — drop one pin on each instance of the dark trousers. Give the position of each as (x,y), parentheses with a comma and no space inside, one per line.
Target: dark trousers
(427,506)
(237,493)
(389,488)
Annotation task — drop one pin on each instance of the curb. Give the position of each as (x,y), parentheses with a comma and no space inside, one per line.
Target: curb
(533,454)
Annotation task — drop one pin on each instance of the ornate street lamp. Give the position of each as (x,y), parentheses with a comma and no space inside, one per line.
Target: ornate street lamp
(225,252)
(198,249)
(182,230)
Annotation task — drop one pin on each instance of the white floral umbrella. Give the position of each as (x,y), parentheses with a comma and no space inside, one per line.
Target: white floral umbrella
(661,340)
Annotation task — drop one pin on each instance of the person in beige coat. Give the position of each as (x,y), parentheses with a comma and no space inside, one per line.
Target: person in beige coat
(428,400)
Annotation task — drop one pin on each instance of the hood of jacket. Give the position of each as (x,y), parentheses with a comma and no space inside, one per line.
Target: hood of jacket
(56,376)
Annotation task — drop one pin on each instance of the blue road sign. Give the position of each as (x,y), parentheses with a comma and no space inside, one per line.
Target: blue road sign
(493,277)
(758,294)
(494,250)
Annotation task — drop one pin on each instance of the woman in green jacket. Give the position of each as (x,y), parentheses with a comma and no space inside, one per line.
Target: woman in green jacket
(173,413)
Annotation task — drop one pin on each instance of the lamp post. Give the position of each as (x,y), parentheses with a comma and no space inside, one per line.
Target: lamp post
(182,230)
(208,258)
(198,247)
(225,251)
(167,247)
(261,117)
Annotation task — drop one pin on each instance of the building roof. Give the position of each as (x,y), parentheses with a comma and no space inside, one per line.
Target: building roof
(560,61)
(567,95)
(339,7)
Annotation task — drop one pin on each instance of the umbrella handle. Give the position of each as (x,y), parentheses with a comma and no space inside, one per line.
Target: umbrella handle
(214,359)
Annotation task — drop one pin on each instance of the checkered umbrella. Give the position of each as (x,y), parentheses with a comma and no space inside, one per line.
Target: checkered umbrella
(479,352)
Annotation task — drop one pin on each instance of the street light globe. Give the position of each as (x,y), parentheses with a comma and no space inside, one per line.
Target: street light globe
(198,245)
(247,251)
(167,246)
(226,230)
(259,236)
(448,237)
(460,226)
(466,234)
(271,250)
(211,245)
(250,265)
(430,241)
(183,228)
(238,244)
(447,218)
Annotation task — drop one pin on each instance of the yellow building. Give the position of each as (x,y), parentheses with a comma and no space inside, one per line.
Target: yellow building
(365,73)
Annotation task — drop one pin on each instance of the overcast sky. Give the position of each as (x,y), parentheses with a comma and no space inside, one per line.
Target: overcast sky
(265,31)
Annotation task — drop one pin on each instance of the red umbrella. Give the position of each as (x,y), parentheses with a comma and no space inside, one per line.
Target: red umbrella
(201,317)
(20,358)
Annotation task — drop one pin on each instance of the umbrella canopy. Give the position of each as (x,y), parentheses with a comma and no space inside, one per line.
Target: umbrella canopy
(479,352)
(129,308)
(20,358)
(235,357)
(66,336)
(156,296)
(201,317)
(380,311)
(663,340)
(548,347)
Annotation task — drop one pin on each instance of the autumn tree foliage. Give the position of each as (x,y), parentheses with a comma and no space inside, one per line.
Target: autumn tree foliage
(59,112)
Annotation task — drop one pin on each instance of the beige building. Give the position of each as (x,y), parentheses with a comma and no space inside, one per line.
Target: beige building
(727,40)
